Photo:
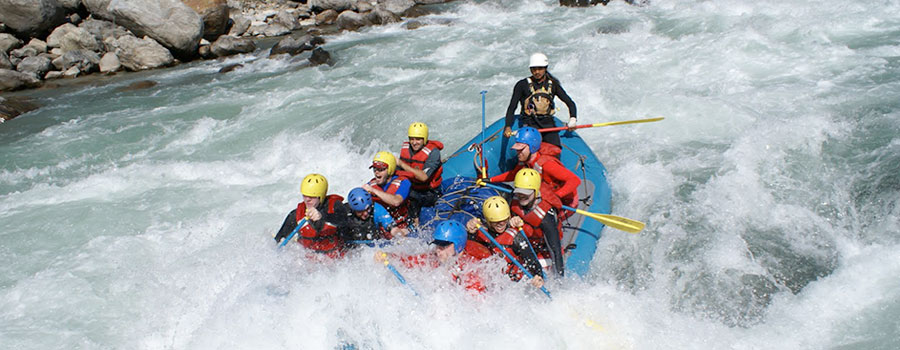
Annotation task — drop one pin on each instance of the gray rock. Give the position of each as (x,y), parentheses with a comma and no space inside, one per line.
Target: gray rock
(381,16)
(326,17)
(31,18)
(240,25)
(4,61)
(205,52)
(74,18)
(140,54)
(37,65)
(101,29)
(397,7)
(69,5)
(169,22)
(276,29)
(292,45)
(54,74)
(320,56)
(349,20)
(228,45)
(337,5)
(37,44)
(98,8)
(363,6)
(85,61)
(69,37)
(109,63)
(55,52)
(288,19)
(71,72)
(11,80)
(9,42)
(214,14)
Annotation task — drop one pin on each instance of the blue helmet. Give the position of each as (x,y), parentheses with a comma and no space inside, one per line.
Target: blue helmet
(529,136)
(451,231)
(359,199)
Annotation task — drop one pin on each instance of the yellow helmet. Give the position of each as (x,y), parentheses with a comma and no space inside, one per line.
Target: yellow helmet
(418,129)
(495,209)
(314,185)
(385,158)
(529,179)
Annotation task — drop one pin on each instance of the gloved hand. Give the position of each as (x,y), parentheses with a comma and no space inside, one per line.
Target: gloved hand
(572,123)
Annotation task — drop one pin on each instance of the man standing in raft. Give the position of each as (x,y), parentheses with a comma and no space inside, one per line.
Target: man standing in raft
(321,213)
(420,162)
(535,94)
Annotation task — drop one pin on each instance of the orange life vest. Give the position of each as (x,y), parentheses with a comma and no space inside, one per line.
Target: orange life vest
(418,161)
(399,212)
(325,240)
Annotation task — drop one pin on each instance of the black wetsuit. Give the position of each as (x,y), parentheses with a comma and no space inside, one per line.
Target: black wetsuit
(521,92)
(290,222)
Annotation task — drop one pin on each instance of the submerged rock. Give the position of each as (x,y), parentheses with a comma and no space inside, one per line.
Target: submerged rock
(138,85)
(292,45)
(320,56)
(11,107)
(230,67)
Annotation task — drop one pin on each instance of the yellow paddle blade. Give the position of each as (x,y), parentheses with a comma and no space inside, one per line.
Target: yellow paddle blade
(630,121)
(616,222)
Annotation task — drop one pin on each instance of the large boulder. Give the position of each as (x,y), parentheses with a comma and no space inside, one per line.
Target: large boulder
(139,54)
(326,17)
(101,29)
(9,42)
(11,80)
(337,5)
(288,18)
(37,65)
(170,22)
(228,45)
(69,37)
(349,20)
(31,18)
(214,14)
(85,61)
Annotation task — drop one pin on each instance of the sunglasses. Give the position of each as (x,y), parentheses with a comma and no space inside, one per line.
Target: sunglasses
(440,243)
(379,166)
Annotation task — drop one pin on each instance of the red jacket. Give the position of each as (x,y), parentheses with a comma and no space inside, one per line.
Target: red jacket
(563,182)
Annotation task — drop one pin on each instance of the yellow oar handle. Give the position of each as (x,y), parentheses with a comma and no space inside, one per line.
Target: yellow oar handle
(629,122)
(616,222)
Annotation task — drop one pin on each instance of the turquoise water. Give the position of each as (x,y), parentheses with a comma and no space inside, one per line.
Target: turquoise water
(143,219)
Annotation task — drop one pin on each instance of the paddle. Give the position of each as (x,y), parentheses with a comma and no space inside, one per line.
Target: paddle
(616,222)
(294,232)
(510,257)
(603,124)
(396,273)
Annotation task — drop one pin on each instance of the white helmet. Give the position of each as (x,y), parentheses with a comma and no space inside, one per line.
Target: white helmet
(539,60)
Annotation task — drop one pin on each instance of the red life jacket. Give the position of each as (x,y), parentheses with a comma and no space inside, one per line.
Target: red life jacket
(506,239)
(535,215)
(418,161)
(543,156)
(473,252)
(399,212)
(327,240)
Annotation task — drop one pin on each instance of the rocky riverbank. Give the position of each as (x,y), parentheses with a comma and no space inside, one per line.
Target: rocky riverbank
(43,40)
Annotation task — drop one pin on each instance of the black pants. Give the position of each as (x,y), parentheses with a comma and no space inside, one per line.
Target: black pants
(541,122)
(419,199)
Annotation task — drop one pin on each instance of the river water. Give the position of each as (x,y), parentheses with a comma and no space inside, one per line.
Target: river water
(142,219)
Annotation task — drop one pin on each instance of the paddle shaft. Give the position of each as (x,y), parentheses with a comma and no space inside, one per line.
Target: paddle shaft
(602,124)
(510,257)
(616,222)
(294,232)
(399,276)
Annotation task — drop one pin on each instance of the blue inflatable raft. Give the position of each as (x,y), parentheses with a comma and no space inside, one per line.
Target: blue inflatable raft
(462,199)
